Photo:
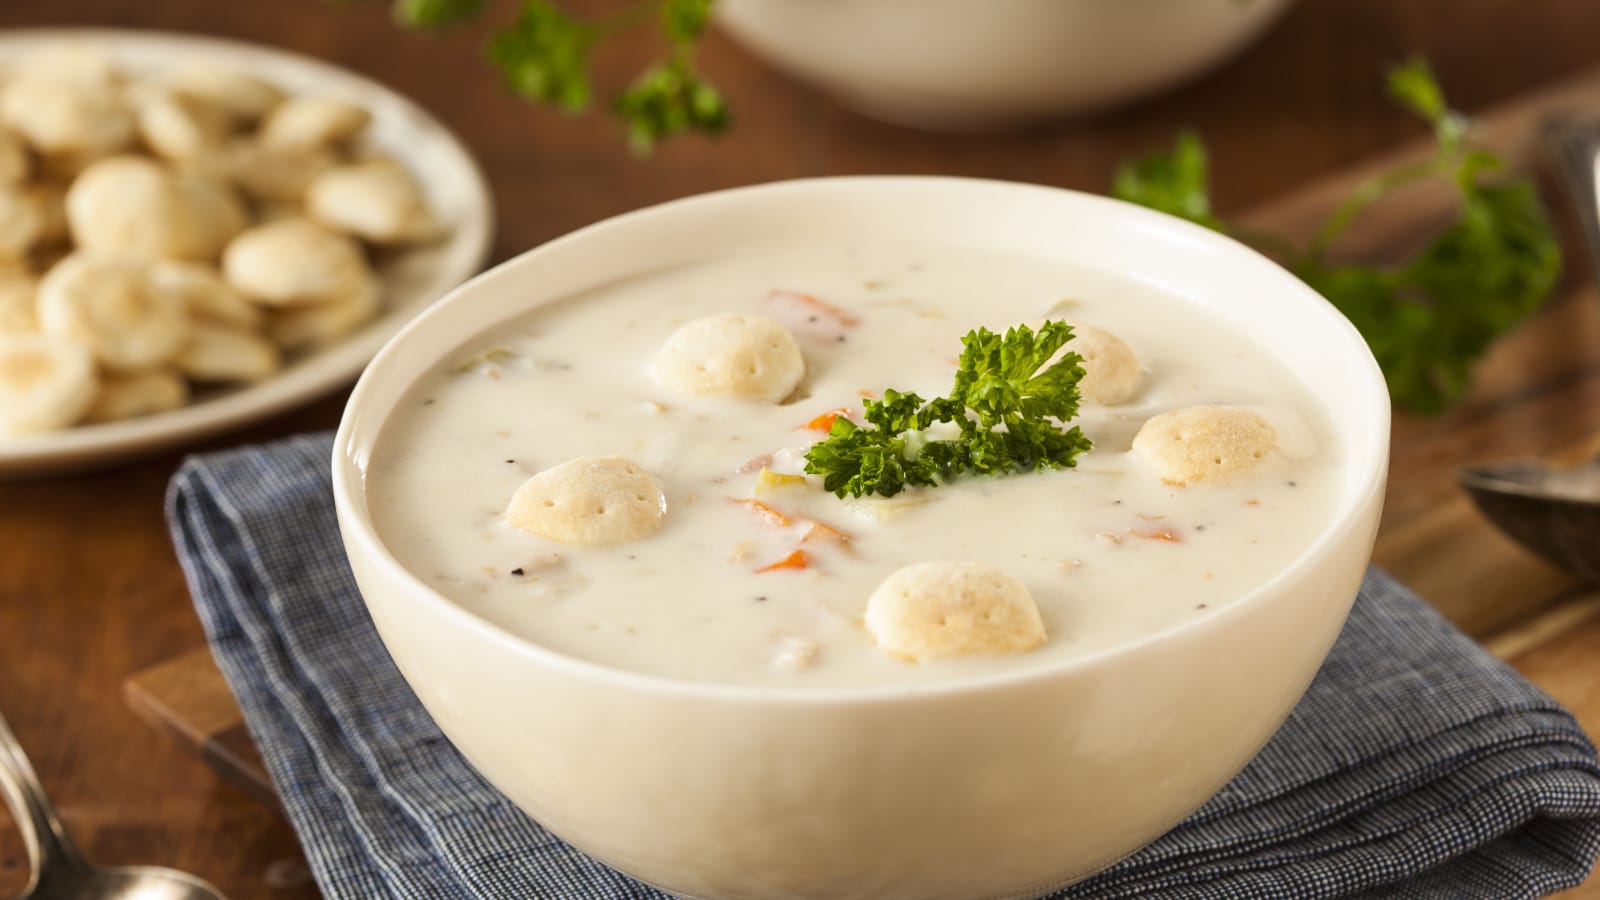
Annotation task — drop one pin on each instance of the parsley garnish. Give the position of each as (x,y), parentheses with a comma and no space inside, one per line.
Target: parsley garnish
(544,54)
(1009,415)
(1173,183)
(668,99)
(1430,318)
(435,13)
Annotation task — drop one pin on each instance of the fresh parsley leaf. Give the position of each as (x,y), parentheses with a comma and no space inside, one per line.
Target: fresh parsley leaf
(1009,405)
(685,20)
(856,461)
(897,412)
(544,55)
(436,13)
(1428,319)
(668,99)
(1413,85)
(996,376)
(1177,183)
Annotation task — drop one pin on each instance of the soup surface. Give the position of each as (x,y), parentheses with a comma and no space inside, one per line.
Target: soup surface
(1109,551)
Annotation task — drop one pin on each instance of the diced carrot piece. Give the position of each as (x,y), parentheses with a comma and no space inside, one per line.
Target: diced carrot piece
(768,514)
(777,519)
(824,422)
(795,560)
(1169,535)
(1252,503)
(827,309)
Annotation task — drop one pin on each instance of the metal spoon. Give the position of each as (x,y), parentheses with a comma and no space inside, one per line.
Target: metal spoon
(59,871)
(1552,511)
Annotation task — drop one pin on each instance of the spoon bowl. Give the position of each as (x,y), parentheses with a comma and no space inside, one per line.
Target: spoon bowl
(1552,511)
(90,882)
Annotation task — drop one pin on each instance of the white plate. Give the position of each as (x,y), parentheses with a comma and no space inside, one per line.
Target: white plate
(412,279)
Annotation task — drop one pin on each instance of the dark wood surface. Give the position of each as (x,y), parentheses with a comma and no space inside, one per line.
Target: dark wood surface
(90,593)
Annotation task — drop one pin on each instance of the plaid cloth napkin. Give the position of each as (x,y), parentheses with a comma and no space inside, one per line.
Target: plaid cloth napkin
(1417,766)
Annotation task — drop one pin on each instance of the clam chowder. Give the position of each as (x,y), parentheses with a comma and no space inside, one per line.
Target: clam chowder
(619,476)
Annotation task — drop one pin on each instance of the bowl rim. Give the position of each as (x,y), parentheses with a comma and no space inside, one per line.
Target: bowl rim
(359,535)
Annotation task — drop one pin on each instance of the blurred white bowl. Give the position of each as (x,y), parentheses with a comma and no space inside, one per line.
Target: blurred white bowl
(993,787)
(965,65)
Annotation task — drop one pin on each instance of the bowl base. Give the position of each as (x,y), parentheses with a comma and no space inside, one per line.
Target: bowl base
(951,117)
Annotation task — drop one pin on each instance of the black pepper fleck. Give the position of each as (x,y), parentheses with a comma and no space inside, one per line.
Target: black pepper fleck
(428,402)
(1116,503)
(812,319)
(1199,528)
(1292,484)
(518,571)
(1200,606)
(761,599)
(511,461)
(841,338)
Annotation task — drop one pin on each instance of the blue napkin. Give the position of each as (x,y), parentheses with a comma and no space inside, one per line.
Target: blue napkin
(1417,766)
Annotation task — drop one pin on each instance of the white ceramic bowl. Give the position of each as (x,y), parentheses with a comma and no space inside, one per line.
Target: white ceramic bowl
(993,787)
(412,278)
(969,65)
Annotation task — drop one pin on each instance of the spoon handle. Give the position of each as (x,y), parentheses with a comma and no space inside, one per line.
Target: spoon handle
(1574,145)
(46,841)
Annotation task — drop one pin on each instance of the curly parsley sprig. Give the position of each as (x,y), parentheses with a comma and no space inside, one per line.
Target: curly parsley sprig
(1430,318)
(435,13)
(1009,409)
(544,54)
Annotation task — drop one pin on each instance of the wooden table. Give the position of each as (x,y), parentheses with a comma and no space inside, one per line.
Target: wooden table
(90,592)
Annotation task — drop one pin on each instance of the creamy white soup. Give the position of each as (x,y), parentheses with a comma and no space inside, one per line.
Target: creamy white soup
(755,576)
